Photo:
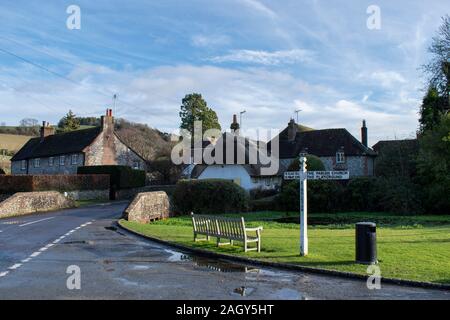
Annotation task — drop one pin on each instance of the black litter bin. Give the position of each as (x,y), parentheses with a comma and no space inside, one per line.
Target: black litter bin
(366,242)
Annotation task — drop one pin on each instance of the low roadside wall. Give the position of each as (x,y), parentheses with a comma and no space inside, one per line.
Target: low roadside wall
(23,203)
(147,207)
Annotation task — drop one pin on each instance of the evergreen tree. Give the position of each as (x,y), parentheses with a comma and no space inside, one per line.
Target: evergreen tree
(195,108)
(69,122)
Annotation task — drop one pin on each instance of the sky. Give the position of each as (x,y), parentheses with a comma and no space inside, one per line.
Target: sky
(267,57)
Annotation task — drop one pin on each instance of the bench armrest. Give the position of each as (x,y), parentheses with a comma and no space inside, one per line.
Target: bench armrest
(254,229)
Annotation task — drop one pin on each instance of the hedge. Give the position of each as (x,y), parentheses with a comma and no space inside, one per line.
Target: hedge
(209,196)
(31,183)
(395,195)
(122,177)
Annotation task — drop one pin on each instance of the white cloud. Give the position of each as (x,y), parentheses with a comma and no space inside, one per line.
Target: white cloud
(153,96)
(388,78)
(265,57)
(259,7)
(200,40)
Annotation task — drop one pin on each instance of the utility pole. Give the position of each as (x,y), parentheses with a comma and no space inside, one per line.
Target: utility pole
(297,111)
(240,118)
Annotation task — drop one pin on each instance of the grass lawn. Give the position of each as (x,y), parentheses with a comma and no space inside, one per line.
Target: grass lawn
(84,203)
(413,248)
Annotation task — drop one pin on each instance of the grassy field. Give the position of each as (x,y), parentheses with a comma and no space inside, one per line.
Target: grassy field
(415,248)
(12,142)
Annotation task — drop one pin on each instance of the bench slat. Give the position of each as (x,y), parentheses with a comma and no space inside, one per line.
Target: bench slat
(225,228)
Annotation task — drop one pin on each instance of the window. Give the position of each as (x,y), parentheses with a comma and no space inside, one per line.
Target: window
(62,160)
(51,161)
(136,165)
(74,159)
(23,164)
(340,157)
(37,163)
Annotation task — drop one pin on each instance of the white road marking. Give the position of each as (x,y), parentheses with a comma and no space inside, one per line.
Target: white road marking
(28,223)
(36,253)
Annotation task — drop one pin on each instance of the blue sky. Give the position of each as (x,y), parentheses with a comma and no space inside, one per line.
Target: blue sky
(265,56)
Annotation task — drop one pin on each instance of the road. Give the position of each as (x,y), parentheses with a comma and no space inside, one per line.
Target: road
(36,252)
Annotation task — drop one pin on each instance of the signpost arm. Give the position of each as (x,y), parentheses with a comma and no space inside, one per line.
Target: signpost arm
(303,208)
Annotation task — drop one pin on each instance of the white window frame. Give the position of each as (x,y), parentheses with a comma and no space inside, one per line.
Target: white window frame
(340,157)
(23,165)
(62,160)
(37,162)
(51,161)
(74,159)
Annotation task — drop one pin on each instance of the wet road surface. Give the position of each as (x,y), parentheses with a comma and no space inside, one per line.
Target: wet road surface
(35,252)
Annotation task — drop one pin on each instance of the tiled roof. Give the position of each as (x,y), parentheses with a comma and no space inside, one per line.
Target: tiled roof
(63,143)
(321,143)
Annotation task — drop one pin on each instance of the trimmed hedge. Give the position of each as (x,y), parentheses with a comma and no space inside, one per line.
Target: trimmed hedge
(209,196)
(122,177)
(29,183)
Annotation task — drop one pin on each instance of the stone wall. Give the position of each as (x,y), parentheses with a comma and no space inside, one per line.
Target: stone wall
(147,207)
(23,203)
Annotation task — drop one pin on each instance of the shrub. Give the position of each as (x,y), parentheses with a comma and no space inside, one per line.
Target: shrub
(122,177)
(2,171)
(209,196)
(399,195)
(363,194)
(313,163)
(323,196)
(260,193)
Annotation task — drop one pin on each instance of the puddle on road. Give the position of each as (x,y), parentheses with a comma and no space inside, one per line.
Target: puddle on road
(215,265)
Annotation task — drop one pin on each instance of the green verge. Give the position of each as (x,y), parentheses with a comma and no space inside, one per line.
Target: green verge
(418,250)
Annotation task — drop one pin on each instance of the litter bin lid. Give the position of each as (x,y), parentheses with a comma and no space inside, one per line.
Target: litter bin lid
(370,224)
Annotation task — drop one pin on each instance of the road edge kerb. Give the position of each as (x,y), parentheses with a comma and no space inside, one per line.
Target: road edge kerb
(287,266)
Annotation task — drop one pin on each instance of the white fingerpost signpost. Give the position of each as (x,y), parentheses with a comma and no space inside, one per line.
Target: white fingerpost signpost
(303,176)
(303,208)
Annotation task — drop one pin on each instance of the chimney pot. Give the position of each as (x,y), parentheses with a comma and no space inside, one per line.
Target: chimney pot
(364,138)
(292,130)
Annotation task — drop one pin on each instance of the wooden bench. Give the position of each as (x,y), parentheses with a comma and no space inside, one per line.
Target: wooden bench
(232,229)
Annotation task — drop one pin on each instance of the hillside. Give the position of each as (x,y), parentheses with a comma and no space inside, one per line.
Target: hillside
(148,142)
(12,142)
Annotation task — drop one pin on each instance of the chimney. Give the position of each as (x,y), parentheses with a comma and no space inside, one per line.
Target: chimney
(292,130)
(46,130)
(234,125)
(364,134)
(107,121)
